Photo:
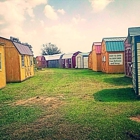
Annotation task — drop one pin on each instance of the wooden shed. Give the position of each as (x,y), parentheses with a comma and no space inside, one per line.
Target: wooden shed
(18,60)
(69,60)
(112,55)
(128,58)
(134,40)
(2,66)
(90,60)
(41,62)
(82,60)
(96,56)
(54,61)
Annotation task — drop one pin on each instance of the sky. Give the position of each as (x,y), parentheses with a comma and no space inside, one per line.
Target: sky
(72,25)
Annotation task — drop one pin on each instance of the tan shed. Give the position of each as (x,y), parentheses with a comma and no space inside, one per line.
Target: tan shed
(96,56)
(112,55)
(18,60)
(2,66)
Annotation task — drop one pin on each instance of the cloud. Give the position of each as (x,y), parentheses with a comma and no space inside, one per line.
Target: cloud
(77,19)
(99,5)
(50,12)
(61,11)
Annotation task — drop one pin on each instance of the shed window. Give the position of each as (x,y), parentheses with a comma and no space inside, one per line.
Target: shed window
(0,62)
(22,60)
(31,60)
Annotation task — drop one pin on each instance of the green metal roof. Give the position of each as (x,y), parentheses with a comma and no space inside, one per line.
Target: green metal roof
(114,44)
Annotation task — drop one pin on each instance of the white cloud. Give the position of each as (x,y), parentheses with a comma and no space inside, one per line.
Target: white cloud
(61,11)
(99,5)
(50,12)
(77,19)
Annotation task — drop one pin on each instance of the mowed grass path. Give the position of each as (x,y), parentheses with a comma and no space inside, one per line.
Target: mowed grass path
(63,104)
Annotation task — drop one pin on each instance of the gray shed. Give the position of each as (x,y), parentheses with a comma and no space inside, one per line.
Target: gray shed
(134,40)
(54,61)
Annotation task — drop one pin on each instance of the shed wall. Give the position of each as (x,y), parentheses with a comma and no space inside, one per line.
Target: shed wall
(2,69)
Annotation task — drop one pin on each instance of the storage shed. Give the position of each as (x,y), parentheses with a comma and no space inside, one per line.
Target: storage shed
(2,66)
(90,60)
(112,55)
(96,56)
(134,40)
(40,62)
(54,61)
(69,60)
(18,60)
(82,60)
(128,58)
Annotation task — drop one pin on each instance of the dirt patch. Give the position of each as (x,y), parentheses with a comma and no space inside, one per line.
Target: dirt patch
(136,118)
(53,102)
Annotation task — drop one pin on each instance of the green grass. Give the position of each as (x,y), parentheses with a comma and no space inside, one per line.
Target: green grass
(64,104)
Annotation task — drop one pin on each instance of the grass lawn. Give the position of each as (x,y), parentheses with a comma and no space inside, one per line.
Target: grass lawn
(64,104)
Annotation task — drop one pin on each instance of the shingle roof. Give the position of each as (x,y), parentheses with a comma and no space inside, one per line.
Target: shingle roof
(22,49)
(115,43)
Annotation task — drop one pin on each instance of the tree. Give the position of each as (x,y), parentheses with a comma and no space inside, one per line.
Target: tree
(50,49)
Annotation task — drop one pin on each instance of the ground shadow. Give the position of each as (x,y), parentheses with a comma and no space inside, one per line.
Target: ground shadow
(116,95)
(117,81)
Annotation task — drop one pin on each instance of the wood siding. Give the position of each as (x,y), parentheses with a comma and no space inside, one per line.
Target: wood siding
(90,61)
(15,72)
(105,66)
(2,67)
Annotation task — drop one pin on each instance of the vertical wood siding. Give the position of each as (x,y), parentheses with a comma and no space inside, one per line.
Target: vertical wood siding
(2,68)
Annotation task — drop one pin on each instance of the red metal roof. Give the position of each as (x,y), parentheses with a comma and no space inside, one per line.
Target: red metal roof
(97,47)
(22,49)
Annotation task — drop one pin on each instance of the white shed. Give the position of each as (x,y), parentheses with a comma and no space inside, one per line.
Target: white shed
(82,60)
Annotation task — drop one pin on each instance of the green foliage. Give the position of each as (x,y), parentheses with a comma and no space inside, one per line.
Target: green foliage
(50,49)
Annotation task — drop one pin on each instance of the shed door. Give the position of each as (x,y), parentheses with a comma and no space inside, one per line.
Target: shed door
(85,62)
(136,64)
(79,62)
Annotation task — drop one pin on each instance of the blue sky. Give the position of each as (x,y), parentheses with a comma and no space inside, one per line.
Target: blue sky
(72,25)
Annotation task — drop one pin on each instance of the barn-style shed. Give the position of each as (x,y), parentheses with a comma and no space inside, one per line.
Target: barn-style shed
(90,60)
(18,60)
(54,61)
(112,55)
(134,40)
(69,60)
(128,58)
(82,60)
(2,66)
(96,56)
(40,62)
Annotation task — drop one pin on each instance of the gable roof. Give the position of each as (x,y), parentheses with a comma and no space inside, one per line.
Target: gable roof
(134,31)
(53,57)
(97,46)
(114,43)
(22,49)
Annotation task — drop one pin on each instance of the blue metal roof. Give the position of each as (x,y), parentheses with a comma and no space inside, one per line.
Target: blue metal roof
(114,44)
(134,31)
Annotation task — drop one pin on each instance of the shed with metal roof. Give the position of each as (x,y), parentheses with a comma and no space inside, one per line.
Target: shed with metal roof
(54,61)
(41,62)
(112,55)
(82,60)
(96,56)
(18,61)
(69,60)
(2,66)
(134,40)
